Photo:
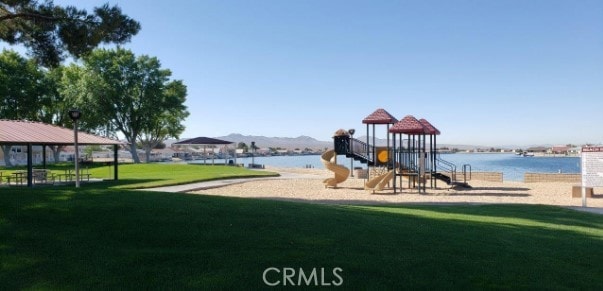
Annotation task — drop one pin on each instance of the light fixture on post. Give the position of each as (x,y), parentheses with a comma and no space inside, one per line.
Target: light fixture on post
(352,131)
(252,154)
(75,115)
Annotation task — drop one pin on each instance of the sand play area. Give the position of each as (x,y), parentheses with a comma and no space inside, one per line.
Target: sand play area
(306,185)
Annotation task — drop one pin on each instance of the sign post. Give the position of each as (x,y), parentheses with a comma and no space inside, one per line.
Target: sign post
(592,169)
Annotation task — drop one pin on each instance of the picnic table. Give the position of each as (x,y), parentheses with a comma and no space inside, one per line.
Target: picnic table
(39,176)
(43,176)
(18,177)
(69,175)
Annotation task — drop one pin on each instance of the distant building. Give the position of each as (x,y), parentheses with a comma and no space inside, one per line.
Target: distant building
(561,149)
(537,149)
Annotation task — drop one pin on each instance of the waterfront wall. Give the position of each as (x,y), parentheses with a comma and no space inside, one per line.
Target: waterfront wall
(487,176)
(482,176)
(551,177)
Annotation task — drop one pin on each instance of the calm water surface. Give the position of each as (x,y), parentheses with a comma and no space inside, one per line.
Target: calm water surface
(512,166)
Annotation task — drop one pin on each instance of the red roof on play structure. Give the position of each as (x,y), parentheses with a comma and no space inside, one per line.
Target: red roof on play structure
(408,125)
(380,116)
(430,128)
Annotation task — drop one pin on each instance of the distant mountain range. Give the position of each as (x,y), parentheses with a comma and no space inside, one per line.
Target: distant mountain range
(302,142)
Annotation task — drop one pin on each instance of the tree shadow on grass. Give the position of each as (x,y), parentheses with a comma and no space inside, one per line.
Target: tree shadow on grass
(134,240)
(548,214)
(119,183)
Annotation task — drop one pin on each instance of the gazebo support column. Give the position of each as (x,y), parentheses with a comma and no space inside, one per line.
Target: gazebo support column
(115,171)
(368,165)
(393,159)
(435,159)
(44,156)
(29,166)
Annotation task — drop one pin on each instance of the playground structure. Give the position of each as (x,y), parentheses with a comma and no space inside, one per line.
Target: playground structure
(409,159)
(329,160)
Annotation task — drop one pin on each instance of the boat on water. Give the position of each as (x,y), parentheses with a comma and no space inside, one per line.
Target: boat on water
(526,154)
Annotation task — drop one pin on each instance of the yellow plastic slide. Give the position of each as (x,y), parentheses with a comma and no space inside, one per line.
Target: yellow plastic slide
(379,182)
(341,172)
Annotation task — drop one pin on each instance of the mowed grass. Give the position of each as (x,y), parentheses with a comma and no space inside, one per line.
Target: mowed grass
(138,176)
(59,238)
(156,175)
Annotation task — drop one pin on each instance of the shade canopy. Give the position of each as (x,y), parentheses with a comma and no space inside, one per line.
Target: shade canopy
(430,128)
(408,125)
(203,141)
(380,116)
(22,132)
(17,132)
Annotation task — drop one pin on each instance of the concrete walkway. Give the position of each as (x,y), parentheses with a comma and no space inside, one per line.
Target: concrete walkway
(594,210)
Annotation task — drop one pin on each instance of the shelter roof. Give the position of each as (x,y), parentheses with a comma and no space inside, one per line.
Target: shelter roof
(203,141)
(341,132)
(430,128)
(380,116)
(38,133)
(408,125)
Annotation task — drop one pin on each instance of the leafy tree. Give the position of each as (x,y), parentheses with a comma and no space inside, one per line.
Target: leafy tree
(50,31)
(243,146)
(56,111)
(132,95)
(22,87)
(69,90)
(76,87)
(254,146)
(89,149)
(22,91)
(164,126)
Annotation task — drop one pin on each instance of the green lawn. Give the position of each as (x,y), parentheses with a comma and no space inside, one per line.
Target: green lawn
(137,176)
(99,238)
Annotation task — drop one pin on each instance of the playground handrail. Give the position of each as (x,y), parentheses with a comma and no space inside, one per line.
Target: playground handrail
(465,166)
(447,167)
(359,149)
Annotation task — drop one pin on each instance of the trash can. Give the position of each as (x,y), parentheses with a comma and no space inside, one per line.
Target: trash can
(360,173)
(577,191)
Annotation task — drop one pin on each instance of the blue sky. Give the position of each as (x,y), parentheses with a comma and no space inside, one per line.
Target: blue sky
(484,72)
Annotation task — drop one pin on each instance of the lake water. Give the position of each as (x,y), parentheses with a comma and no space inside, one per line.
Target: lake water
(512,166)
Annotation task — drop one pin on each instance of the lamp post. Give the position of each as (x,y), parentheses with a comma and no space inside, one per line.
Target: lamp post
(252,154)
(352,131)
(75,115)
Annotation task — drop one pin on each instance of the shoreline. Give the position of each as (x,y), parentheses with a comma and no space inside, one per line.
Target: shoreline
(305,185)
(536,155)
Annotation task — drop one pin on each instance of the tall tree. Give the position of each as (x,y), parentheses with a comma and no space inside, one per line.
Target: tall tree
(134,95)
(50,31)
(75,86)
(60,81)
(22,91)
(168,124)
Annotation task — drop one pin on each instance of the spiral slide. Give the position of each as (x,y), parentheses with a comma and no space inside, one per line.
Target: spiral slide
(379,182)
(341,172)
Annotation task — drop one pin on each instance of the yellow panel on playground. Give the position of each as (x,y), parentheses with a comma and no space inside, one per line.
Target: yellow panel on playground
(383,155)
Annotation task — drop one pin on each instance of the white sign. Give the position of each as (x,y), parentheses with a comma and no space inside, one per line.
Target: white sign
(592,166)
